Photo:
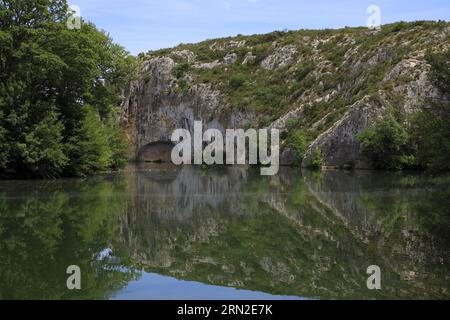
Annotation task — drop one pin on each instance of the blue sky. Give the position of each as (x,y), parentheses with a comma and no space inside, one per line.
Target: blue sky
(156,287)
(142,25)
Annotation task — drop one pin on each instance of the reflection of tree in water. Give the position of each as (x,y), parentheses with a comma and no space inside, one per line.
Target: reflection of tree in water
(287,235)
(310,235)
(47,226)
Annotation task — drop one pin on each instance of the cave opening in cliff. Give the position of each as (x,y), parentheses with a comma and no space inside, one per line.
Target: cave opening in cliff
(156,152)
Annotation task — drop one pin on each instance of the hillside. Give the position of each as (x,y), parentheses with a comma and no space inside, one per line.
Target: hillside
(321,88)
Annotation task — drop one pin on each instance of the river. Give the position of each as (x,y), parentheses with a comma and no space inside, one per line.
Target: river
(165,232)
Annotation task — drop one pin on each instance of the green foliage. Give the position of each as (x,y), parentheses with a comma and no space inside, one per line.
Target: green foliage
(180,69)
(117,144)
(262,91)
(49,75)
(317,159)
(43,150)
(297,139)
(4,147)
(303,71)
(31,14)
(89,148)
(387,144)
(424,140)
(237,81)
(300,143)
(431,126)
(432,136)
(440,70)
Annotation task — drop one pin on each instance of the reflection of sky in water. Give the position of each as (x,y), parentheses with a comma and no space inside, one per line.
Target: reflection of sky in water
(308,233)
(156,287)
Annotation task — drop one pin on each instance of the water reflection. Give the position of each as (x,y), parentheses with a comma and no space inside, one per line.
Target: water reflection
(307,234)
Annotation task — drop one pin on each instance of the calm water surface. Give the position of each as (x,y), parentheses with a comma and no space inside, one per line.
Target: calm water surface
(164,232)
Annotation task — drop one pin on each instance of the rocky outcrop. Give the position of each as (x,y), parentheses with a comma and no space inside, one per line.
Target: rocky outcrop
(185,54)
(331,85)
(338,145)
(412,82)
(249,58)
(154,107)
(282,57)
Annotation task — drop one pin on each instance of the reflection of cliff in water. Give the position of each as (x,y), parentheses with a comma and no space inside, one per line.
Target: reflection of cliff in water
(388,211)
(169,201)
(313,235)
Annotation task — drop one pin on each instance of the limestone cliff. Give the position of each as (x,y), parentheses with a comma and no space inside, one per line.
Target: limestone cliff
(331,84)
(311,234)
(154,107)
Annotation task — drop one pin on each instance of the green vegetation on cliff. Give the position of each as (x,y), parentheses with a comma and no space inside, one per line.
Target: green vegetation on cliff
(423,140)
(60,88)
(305,82)
(59,92)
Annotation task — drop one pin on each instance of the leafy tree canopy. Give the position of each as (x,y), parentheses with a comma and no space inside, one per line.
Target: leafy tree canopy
(56,84)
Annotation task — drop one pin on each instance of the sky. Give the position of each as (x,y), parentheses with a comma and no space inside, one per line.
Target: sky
(143,25)
(152,286)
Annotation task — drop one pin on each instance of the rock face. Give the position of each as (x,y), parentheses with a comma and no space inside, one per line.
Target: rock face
(331,85)
(282,57)
(154,107)
(249,58)
(417,85)
(339,145)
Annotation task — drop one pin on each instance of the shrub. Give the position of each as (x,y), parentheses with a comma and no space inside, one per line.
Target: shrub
(440,70)
(299,142)
(303,71)
(317,159)
(180,70)
(430,128)
(387,144)
(237,81)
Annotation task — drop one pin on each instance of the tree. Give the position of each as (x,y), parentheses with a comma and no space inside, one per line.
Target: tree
(42,151)
(431,126)
(31,13)
(300,143)
(3,146)
(387,144)
(88,149)
(55,84)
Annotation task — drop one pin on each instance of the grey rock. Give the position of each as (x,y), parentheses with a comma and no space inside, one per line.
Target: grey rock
(153,108)
(230,58)
(410,77)
(282,57)
(339,145)
(249,58)
(228,45)
(287,158)
(208,65)
(186,54)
